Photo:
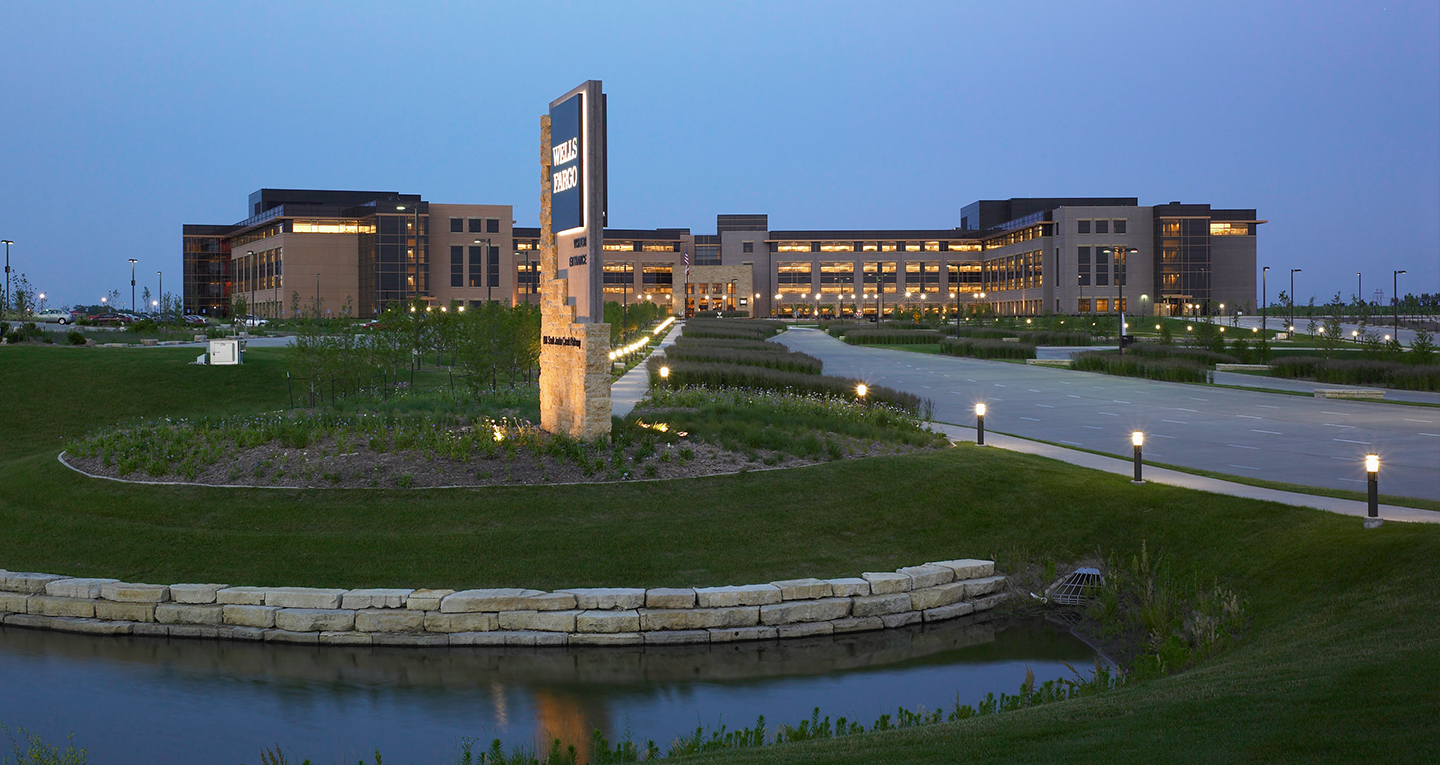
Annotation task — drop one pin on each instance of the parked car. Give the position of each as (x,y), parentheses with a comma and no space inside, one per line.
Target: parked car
(53,316)
(111,317)
(198,321)
(251,321)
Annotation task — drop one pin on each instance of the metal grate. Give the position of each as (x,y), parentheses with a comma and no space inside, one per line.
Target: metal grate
(1074,589)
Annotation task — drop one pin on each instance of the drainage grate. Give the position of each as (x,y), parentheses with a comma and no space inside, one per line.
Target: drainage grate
(1074,589)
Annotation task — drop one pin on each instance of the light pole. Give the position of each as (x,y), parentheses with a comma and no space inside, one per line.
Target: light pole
(1264,300)
(1359,291)
(42,301)
(734,285)
(132,284)
(4,304)
(1122,274)
(1291,328)
(161,277)
(489,283)
(956,297)
(1395,297)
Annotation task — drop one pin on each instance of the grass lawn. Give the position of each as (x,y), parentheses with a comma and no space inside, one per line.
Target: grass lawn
(1341,661)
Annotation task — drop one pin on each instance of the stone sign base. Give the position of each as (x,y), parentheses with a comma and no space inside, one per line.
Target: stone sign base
(574,368)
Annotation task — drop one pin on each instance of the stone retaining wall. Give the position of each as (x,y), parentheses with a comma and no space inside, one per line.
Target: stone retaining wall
(607,616)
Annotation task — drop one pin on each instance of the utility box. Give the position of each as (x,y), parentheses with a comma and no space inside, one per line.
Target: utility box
(225,351)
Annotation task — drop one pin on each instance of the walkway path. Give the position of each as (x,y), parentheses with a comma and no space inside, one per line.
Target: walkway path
(1186,480)
(632,386)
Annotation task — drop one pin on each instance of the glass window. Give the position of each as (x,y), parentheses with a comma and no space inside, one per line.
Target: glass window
(1102,304)
(477,225)
(1102,226)
(659,278)
(1119,225)
(1082,258)
(793,276)
(1084,305)
(837,277)
(457,225)
(492,225)
(747,246)
(1082,227)
(477,267)
(457,266)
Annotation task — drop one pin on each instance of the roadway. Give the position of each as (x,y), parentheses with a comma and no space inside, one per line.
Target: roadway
(1307,441)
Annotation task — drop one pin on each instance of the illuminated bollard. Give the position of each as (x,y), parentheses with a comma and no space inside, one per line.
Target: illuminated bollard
(1137,439)
(1372,475)
(979,424)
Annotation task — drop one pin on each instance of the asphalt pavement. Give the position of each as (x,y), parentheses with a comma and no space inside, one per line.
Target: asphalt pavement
(1306,441)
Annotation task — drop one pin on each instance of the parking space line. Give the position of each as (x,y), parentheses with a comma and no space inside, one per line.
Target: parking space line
(1242,446)
(1177,422)
(1032,419)
(1348,441)
(1271,432)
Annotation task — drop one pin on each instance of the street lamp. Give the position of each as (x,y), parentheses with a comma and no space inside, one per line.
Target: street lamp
(1293,271)
(485,264)
(42,301)
(980,424)
(1395,297)
(956,297)
(161,277)
(1264,301)
(1137,439)
(1372,476)
(1121,276)
(6,302)
(132,283)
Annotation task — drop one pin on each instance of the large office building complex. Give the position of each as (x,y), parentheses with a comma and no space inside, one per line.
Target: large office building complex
(354,252)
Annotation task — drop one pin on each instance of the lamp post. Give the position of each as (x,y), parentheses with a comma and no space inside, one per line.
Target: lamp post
(956,297)
(161,277)
(5,303)
(1137,439)
(42,301)
(1359,290)
(1122,275)
(1264,300)
(1291,328)
(132,283)
(1395,297)
(734,286)
(317,296)
(489,283)
(1372,479)
(980,424)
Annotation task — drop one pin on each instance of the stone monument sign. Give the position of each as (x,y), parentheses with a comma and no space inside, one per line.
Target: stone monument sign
(574,343)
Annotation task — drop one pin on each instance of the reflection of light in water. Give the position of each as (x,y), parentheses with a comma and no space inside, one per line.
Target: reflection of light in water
(497,697)
(560,715)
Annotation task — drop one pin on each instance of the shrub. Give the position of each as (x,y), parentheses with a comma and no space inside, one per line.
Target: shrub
(1196,355)
(1047,337)
(1177,369)
(752,329)
(738,343)
(893,336)
(981,332)
(784,360)
(689,373)
(986,349)
(74,338)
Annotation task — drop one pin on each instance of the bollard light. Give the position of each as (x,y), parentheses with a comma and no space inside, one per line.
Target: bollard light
(861,390)
(1137,439)
(664,373)
(1372,475)
(980,424)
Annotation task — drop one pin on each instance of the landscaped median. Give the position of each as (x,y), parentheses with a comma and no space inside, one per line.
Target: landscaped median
(442,617)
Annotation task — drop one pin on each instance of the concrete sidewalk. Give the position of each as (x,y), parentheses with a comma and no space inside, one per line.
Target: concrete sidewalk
(633,385)
(1186,480)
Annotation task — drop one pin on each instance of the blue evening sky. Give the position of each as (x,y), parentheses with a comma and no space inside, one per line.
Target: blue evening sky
(123,121)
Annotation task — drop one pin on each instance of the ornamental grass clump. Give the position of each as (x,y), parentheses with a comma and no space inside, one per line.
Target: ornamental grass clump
(1390,374)
(893,336)
(1130,365)
(785,360)
(986,349)
(713,375)
(752,329)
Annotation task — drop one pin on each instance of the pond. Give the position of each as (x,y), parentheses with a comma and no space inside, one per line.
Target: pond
(148,700)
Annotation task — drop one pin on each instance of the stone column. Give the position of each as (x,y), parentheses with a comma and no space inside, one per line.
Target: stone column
(574,357)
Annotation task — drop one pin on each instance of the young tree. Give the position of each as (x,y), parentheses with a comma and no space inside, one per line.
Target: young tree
(1422,348)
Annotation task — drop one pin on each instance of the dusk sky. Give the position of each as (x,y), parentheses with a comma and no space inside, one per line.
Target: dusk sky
(123,121)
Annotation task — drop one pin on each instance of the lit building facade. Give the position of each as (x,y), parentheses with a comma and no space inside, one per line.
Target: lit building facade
(354,252)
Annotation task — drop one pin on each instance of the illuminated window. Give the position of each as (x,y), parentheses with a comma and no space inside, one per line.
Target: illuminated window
(932,246)
(1084,305)
(792,247)
(619,247)
(837,247)
(658,278)
(887,246)
(1102,305)
(870,247)
(331,227)
(912,246)
(1229,229)
(619,277)
(793,276)
(525,245)
(837,277)
(661,247)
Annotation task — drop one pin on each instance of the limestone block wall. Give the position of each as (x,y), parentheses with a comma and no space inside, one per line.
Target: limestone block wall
(441,617)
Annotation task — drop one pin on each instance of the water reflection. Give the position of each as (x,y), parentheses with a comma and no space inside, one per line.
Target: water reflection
(156,700)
